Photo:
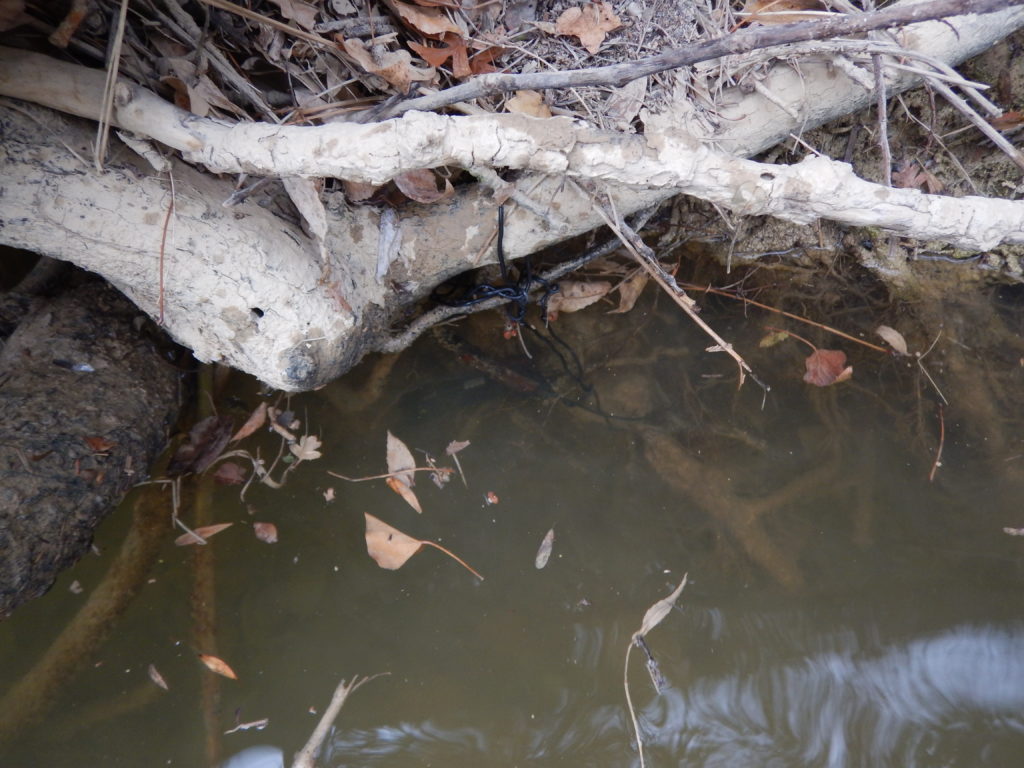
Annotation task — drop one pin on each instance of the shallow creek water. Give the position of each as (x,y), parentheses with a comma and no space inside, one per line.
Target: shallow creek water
(841,610)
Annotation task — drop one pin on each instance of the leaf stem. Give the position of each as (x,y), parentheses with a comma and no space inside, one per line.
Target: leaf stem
(454,557)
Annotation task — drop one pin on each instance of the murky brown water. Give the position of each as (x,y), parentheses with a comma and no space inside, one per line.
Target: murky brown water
(841,611)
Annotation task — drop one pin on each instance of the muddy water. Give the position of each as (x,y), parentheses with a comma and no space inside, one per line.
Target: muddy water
(842,610)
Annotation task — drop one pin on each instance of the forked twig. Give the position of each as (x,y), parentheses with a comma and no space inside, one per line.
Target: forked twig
(305,758)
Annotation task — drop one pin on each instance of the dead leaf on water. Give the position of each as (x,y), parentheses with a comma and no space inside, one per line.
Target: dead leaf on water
(773,338)
(574,295)
(391,549)
(156,677)
(206,531)
(229,473)
(826,367)
(893,338)
(401,465)
(307,449)
(629,291)
(1014,531)
(217,665)
(256,420)
(266,532)
(396,485)
(544,552)
(657,612)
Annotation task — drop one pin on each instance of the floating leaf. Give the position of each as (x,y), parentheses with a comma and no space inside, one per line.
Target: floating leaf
(893,338)
(307,448)
(773,338)
(229,473)
(217,665)
(590,23)
(400,461)
(256,420)
(574,295)
(265,532)
(205,531)
(544,551)
(630,290)
(528,103)
(455,446)
(403,490)
(205,442)
(391,549)
(1014,531)
(329,494)
(156,677)
(826,366)
(657,612)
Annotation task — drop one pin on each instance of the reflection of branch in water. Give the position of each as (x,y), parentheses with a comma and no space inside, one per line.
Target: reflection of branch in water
(657,678)
(29,699)
(709,487)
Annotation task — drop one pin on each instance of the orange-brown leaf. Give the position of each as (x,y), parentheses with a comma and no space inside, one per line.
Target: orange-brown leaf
(421,185)
(256,420)
(388,546)
(590,23)
(206,531)
(396,485)
(826,366)
(394,66)
(99,444)
(432,22)
(1007,120)
(266,532)
(217,665)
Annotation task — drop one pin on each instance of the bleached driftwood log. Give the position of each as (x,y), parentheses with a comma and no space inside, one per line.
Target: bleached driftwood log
(249,288)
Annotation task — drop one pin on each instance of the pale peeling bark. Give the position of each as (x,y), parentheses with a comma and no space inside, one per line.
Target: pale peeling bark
(248,288)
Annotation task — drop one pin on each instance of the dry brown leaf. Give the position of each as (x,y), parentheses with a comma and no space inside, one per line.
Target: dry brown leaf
(657,612)
(432,22)
(217,665)
(528,103)
(229,473)
(358,191)
(625,103)
(454,48)
(99,444)
(394,66)
(256,420)
(893,338)
(544,551)
(156,677)
(782,11)
(206,531)
(629,291)
(266,532)
(486,61)
(827,366)
(301,13)
(388,546)
(591,23)
(403,490)
(421,185)
(574,295)
(391,549)
(400,461)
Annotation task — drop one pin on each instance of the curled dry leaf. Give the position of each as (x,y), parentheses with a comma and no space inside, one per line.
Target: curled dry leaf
(893,338)
(630,290)
(206,531)
(400,461)
(217,665)
(393,66)
(431,22)
(421,185)
(256,420)
(544,551)
(301,13)
(396,485)
(266,532)
(826,366)
(574,295)
(156,677)
(528,103)
(591,23)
